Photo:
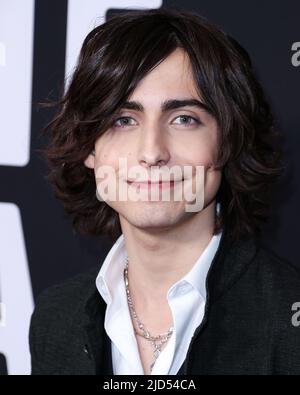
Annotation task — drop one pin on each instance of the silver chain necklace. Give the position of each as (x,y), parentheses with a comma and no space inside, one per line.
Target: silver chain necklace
(156,341)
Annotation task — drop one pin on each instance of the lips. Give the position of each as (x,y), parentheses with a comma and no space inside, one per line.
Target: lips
(149,184)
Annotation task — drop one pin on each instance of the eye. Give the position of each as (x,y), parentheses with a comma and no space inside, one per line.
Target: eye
(124,124)
(125,121)
(192,120)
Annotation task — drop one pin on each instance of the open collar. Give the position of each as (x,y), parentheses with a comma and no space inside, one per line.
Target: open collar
(230,261)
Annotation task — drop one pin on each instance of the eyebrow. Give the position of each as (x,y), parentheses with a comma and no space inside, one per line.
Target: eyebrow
(168,105)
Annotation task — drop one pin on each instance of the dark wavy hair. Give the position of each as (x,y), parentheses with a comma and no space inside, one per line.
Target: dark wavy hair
(118,54)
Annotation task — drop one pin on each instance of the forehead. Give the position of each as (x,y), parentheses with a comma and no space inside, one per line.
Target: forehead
(171,78)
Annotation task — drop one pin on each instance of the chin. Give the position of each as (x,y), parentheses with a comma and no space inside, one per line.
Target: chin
(154,219)
(156,227)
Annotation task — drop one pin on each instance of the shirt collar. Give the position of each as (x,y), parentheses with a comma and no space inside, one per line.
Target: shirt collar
(196,277)
(112,274)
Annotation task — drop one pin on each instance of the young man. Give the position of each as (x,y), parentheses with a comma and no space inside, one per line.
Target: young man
(181,291)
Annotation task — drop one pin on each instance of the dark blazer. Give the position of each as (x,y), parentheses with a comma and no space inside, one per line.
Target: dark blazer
(247,326)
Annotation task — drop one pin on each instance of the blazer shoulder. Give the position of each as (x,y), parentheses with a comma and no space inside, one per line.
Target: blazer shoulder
(65,298)
(54,320)
(283,279)
(279,273)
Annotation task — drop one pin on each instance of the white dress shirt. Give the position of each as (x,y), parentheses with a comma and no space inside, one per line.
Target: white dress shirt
(186,299)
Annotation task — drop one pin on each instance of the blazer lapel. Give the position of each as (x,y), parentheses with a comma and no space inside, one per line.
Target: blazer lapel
(99,344)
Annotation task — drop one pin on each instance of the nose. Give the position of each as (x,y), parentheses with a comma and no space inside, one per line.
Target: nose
(153,148)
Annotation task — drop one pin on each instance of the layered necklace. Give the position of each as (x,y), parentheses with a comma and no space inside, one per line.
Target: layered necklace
(156,341)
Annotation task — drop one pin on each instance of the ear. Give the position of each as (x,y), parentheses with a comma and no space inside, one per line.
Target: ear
(90,161)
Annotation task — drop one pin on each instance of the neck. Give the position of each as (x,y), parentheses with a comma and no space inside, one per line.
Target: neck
(160,258)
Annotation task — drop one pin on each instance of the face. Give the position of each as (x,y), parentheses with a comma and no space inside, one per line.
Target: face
(156,138)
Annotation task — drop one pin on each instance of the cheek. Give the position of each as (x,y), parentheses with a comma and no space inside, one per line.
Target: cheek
(202,149)
(203,155)
(212,184)
(107,152)
(108,164)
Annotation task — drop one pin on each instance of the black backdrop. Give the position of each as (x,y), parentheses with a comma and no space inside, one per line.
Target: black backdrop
(267,29)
